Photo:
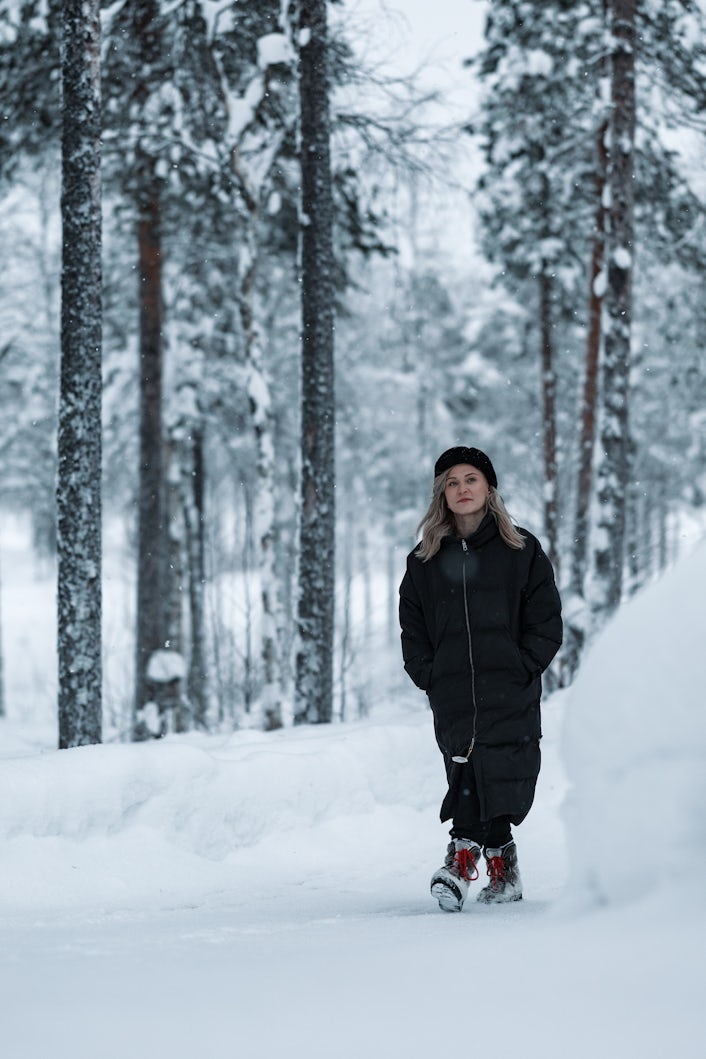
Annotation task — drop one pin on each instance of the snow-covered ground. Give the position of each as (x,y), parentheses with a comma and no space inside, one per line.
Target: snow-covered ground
(267,895)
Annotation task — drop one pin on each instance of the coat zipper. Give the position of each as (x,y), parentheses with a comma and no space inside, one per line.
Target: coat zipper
(460,758)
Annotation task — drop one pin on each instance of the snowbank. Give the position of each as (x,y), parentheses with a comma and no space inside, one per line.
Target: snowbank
(634,745)
(97,823)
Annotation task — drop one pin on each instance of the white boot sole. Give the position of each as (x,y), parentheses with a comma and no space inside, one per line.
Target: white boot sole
(448,900)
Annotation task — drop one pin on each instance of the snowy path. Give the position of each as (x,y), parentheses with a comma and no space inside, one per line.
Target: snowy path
(367,979)
(322,940)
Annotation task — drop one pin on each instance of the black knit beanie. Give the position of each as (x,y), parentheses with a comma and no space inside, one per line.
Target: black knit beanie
(462,454)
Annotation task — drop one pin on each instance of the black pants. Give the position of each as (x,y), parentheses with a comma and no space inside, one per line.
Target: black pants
(466,818)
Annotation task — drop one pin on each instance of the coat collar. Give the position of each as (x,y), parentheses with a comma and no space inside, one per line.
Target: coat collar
(487,530)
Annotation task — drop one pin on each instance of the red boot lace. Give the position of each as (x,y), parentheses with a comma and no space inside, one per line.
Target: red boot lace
(496,871)
(464,858)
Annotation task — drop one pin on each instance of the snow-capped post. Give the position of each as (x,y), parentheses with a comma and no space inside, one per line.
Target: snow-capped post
(164,705)
(614,466)
(315,612)
(79,433)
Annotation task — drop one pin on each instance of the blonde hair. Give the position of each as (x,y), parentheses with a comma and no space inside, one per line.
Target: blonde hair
(438,522)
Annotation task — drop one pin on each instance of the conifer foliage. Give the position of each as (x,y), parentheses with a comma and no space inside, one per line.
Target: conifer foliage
(580,189)
(533,199)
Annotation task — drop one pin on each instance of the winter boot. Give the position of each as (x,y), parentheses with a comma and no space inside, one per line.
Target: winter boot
(504,874)
(449,885)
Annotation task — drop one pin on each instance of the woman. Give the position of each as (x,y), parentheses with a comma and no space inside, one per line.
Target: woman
(481,621)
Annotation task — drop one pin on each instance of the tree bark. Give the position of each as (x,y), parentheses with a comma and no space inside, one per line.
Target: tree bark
(171,696)
(614,471)
(589,401)
(3,708)
(151,538)
(194,491)
(264,529)
(551,501)
(174,618)
(635,559)
(79,433)
(314,667)
(577,613)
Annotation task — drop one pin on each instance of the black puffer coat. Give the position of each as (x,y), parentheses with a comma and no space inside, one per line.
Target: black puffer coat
(480,623)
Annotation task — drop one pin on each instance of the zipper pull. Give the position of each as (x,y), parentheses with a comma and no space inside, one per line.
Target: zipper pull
(462,759)
(463,544)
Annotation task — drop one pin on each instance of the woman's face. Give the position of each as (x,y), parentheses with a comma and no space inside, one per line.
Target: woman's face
(466,490)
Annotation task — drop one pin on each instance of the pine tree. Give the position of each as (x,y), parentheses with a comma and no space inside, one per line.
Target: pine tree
(614,468)
(314,676)
(267,134)
(651,206)
(79,441)
(557,165)
(194,488)
(533,201)
(139,28)
(191,86)
(576,609)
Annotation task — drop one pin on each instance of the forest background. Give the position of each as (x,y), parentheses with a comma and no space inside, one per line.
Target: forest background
(504,276)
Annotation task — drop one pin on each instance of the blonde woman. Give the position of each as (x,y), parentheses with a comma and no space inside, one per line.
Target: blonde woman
(481,621)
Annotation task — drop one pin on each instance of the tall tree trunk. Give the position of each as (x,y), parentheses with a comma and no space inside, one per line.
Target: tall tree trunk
(614,470)
(262,420)
(170,696)
(345,645)
(551,501)
(194,492)
(174,577)
(79,438)
(577,610)
(150,561)
(635,559)
(589,401)
(3,707)
(646,538)
(315,612)
(264,529)
(392,594)
(249,570)
(662,534)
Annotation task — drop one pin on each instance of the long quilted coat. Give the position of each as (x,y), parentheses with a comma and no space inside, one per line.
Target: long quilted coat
(480,623)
